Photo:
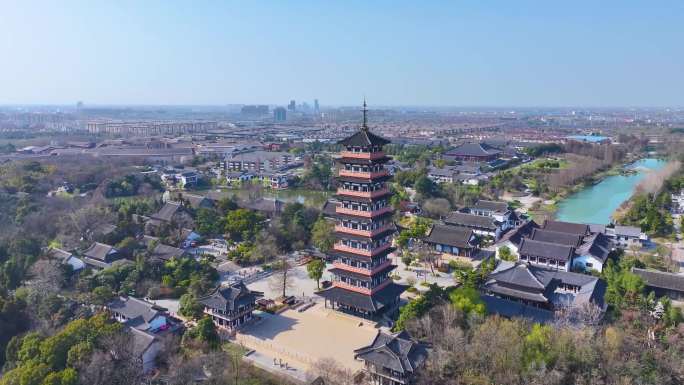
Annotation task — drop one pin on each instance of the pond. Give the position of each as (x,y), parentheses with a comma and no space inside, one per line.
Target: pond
(311,198)
(588,138)
(596,204)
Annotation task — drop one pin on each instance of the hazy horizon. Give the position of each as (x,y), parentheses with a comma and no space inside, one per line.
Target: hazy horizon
(526,54)
(345,106)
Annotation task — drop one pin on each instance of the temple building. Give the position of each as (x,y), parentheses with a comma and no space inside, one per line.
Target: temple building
(364,228)
(230,307)
(392,359)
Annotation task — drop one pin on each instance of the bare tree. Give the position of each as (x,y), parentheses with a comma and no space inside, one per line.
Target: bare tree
(265,248)
(183,370)
(282,276)
(426,256)
(436,207)
(118,363)
(585,315)
(84,222)
(47,275)
(331,372)
(654,181)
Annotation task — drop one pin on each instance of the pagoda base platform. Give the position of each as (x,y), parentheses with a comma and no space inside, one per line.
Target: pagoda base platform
(362,305)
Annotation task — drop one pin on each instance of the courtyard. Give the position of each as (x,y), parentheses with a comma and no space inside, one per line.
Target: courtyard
(302,338)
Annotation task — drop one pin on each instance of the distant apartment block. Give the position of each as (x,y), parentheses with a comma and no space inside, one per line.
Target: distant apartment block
(254,110)
(149,128)
(259,161)
(279,114)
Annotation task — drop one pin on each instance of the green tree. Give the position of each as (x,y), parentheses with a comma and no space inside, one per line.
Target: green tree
(227,204)
(425,186)
(205,331)
(506,254)
(322,235)
(101,295)
(243,224)
(208,222)
(418,307)
(315,269)
(189,307)
(127,247)
(467,299)
(537,349)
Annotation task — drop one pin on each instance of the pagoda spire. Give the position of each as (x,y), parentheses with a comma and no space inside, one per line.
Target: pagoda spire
(365,115)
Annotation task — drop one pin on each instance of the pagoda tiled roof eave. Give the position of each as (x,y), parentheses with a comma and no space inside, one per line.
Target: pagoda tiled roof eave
(363,138)
(349,160)
(341,197)
(343,235)
(360,276)
(347,254)
(352,179)
(359,218)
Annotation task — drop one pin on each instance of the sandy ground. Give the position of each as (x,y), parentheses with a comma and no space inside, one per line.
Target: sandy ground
(268,363)
(527,201)
(301,284)
(300,339)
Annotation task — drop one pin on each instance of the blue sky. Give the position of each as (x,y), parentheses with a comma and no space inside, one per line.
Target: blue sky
(450,53)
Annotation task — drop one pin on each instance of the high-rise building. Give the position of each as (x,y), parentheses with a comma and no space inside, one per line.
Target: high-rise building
(279,114)
(361,283)
(254,110)
(292,106)
(316,106)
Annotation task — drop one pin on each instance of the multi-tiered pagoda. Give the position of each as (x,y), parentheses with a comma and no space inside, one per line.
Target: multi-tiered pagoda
(361,283)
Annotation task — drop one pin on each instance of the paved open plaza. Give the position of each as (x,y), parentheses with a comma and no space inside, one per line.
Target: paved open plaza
(302,338)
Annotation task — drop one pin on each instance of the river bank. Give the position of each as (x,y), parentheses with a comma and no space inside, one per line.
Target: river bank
(596,203)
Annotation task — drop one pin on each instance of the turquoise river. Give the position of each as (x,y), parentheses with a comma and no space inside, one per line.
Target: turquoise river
(596,204)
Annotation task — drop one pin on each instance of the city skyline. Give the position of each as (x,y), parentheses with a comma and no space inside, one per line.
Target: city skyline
(618,54)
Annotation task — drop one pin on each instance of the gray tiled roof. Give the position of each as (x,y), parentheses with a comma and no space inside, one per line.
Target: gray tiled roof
(196,201)
(516,234)
(473,149)
(167,212)
(98,251)
(263,205)
(545,249)
(661,280)
(519,275)
(166,252)
(532,296)
(60,254)
(529,282)
(394,351)
(495,206)
(141,340)
(363,138)
(597,245)
(138,312)
(566,227)
(450,236)
(229,298)
(375,302)
(471,220)
(629,231)
(556,237)
(447,172)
